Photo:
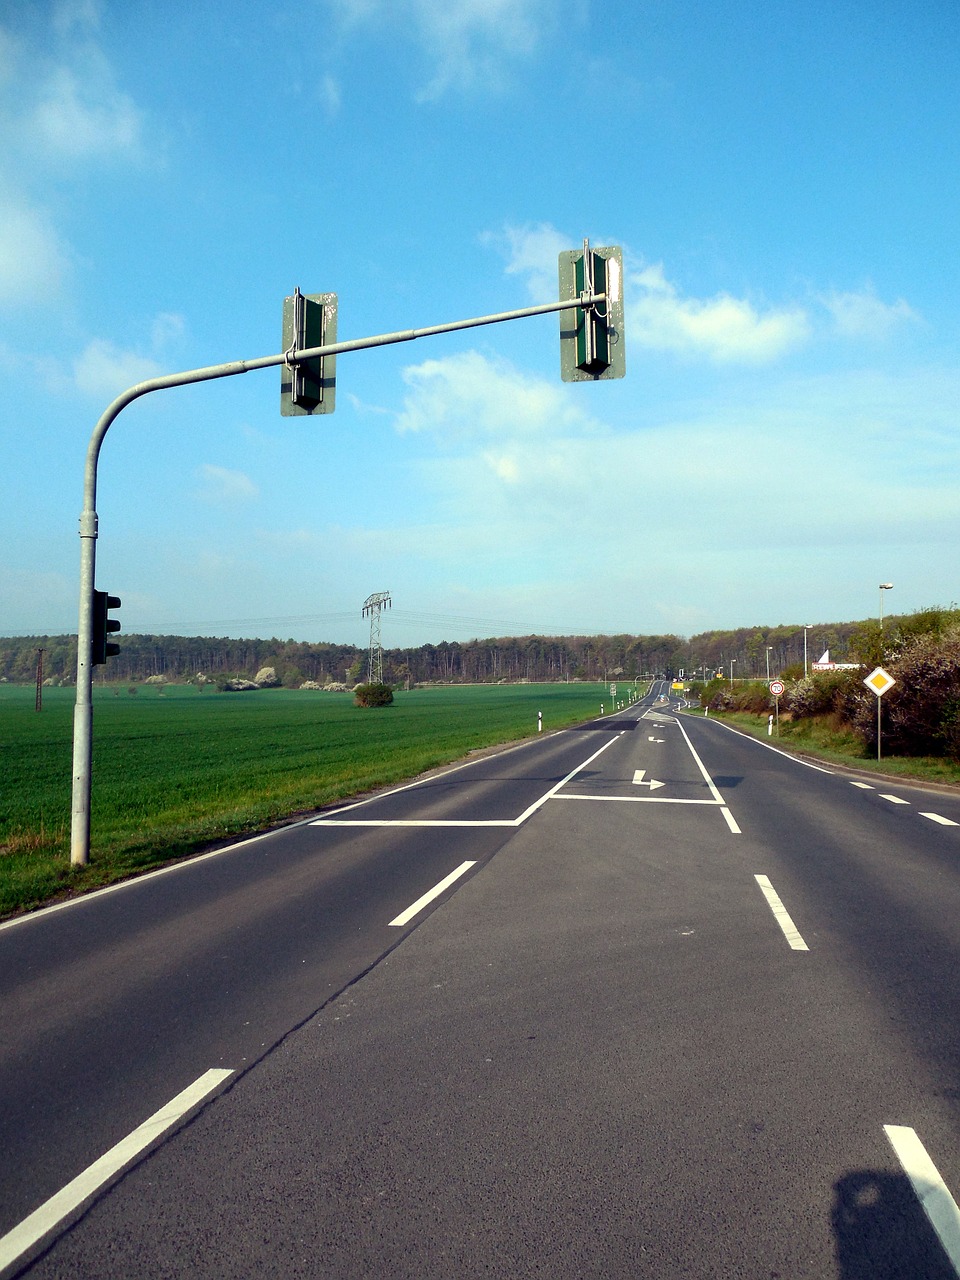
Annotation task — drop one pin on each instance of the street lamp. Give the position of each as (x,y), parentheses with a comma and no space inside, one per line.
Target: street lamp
(805,630)
(732,661)
(884,586)
(769,647)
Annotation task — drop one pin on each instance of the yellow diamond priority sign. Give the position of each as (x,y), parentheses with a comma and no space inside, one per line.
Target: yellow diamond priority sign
(879,681)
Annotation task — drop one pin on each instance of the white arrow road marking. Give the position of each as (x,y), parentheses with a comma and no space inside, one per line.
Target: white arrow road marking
(638,780)
(656,739)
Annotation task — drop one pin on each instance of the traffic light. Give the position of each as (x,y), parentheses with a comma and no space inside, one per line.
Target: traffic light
(591,338)
(103,625)
(309,386)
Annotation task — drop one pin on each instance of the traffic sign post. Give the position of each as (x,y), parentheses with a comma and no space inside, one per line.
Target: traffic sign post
(879,681)
(309,320)
(777,688)
(591,338)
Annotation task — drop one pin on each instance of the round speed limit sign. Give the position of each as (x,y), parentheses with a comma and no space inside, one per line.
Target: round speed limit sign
(777,687)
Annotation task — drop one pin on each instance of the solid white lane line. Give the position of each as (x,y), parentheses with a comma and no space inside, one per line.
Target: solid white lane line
(767,747)
(416,822)
(66,1205)
(636,799)
(892,799)
(421,782)
(435,892)
(790,931)
(932,1192)
(944,822)
(864,786)
(701,766)
(727,815)
(731,821)
(527,813)
(94,896)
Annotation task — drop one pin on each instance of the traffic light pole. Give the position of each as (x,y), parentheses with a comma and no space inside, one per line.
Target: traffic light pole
(83,710)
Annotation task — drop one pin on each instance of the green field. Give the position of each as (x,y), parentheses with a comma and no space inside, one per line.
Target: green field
(176,770)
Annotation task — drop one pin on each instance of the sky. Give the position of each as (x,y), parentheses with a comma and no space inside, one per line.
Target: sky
(783,179)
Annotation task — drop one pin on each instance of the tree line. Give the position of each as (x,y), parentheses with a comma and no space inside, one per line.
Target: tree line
(920,713)
(752,651)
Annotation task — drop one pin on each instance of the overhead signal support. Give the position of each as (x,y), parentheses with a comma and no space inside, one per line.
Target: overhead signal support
(312,320)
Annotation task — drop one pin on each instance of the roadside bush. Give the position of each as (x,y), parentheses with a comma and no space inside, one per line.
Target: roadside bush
(921,713)
(753,697)
(373,695)
(714,694)
(823,693)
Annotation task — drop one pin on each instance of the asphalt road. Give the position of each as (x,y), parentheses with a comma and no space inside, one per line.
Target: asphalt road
(648,1030)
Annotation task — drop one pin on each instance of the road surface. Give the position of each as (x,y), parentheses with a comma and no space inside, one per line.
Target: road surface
(680,1005)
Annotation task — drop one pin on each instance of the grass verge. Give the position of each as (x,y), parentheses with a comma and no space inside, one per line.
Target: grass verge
(176,770)
(820,736)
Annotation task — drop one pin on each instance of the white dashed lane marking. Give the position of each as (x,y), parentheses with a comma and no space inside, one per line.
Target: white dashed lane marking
(932,1192)
(944,822)
(781,915)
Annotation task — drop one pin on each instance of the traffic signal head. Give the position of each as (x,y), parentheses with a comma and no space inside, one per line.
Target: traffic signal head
(308,386)
(103,625)
(591,338)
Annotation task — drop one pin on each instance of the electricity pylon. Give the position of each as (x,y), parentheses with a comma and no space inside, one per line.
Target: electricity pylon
(373,605)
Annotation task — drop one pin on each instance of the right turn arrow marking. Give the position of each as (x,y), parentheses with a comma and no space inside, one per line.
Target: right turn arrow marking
(639,781)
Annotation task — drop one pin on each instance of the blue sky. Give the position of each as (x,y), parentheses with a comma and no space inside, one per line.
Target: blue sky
(784,179)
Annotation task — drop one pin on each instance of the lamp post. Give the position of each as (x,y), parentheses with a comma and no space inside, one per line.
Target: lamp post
(732,661)
(805,630)
(769,647)
(884,586)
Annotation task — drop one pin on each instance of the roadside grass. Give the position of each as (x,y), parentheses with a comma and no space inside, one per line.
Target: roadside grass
(178,770)
(821,736)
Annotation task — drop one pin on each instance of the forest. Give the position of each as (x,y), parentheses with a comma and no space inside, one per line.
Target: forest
(750,652)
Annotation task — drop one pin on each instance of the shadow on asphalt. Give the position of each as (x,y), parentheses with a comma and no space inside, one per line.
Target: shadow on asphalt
(881,1231)
(609,726)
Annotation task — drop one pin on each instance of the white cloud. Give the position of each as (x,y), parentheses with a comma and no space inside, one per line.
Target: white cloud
(504,466)
(472,395)
(61,102)
(81,115)
(723,328)
(33,258)
(472,41)
(471,44)
(864,315)
(219,486)
(72,15)
(102,370)
(61,111)
(328,91)
(167,329)
(838,467)
(532,251)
